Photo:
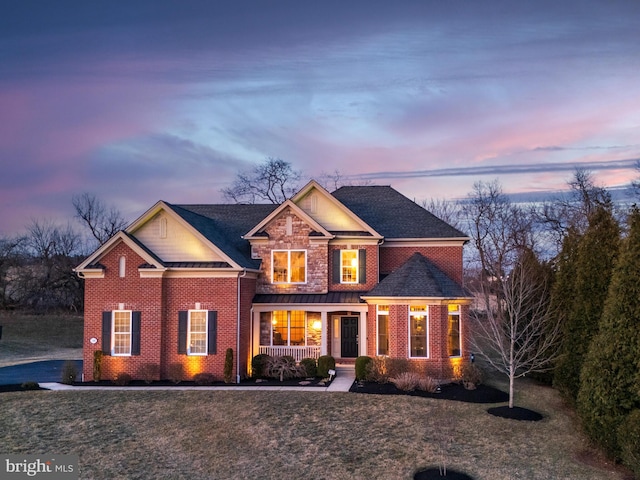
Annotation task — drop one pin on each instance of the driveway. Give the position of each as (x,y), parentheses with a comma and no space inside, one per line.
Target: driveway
(41,372)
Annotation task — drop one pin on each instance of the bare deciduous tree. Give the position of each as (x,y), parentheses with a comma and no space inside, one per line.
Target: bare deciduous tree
(446,210)
(517,332)
(273,181)
(9,259)
(102,221)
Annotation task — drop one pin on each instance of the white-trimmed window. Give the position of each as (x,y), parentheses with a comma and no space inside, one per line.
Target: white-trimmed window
(383,330)
(454,334)
(418,331)
(197,332)
(121,333)
(289,266)
(349,266)
(122,266)
(290,328)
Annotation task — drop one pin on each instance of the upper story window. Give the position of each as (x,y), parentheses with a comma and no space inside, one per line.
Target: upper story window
(289,266)
(349,266)
(122,266)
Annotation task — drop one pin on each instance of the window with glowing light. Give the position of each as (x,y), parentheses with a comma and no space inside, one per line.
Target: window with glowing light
(294,328)
(454,337)
(418,332)
(121,333)
(289,266)
(349,266)
(383,329)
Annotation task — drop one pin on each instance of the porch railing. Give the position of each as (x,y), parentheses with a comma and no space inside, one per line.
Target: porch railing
(296,352)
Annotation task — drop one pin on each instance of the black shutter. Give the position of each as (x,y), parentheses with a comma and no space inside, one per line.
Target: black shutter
(183,318)
(362,265)
(106,333)
(337,274)
(212,332)
(135,333)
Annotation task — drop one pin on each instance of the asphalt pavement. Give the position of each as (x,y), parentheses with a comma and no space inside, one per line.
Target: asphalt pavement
(41,372)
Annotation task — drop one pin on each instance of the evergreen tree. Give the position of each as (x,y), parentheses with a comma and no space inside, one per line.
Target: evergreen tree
(610,383)
(596,255)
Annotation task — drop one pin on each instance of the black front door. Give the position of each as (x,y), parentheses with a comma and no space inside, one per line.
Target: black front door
(349,337)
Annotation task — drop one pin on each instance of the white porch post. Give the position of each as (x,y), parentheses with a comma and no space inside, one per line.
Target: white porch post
(362,333)
(323,333)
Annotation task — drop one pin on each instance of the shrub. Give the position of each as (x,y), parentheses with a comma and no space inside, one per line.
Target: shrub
(175,373)
(228,366)
(325,363)
(149,372)
(204,378)
(362,364)
(406,381)
(259,365)
(283,368)
(97,365)
(629,441)
(122,379)
(428,384)
(470,375)
(69,372)
(377,370)
(30,386)
(309,366)
(397,366)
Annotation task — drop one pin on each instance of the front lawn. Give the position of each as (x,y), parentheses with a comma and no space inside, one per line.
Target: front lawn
(292,435)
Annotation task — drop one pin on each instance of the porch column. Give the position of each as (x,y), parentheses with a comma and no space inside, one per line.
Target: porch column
(323,333)
(362,333)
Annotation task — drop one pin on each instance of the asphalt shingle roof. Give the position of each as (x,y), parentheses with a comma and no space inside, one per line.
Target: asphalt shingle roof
(392,214)
(418,277)
(224,226)
(305,298)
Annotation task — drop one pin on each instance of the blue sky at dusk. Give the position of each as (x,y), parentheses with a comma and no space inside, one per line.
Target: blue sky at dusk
(146,100)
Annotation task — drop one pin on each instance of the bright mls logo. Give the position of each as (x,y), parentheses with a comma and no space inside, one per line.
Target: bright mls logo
(53,467)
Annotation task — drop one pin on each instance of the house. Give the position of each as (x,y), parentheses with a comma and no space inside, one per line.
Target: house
(360,271)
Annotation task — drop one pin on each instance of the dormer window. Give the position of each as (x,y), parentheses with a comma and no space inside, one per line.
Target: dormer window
(289,266)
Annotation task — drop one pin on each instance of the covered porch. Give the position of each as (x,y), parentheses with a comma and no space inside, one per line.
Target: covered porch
(309,325)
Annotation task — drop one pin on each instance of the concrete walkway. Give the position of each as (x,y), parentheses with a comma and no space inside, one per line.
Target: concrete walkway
(345,376)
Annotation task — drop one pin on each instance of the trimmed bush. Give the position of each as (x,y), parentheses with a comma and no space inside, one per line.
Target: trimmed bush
(362,365)
(122,379)
(259,365)
(325,363)
(97,365)
(149,372)
(397,366)
(309,366)
(204,378)
(69,372)
(175,373)
(629,441)
(470,375)
(377,370)
(228,366)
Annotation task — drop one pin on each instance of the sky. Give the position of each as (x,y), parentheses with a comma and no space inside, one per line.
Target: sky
(141,101)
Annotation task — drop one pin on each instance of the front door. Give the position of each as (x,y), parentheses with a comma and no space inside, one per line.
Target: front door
(349,337)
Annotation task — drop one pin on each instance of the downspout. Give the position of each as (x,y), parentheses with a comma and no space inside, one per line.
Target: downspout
(240,276)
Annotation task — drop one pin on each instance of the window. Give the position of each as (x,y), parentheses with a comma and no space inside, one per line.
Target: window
(289,266)
(418,331)
(454,342)
(197,332)
(122,266)
(383,330)
(121,333)
(290,328)
(349,266)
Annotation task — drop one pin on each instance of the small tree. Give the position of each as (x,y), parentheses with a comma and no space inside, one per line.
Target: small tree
(228,366)
(273,181)
(517,332)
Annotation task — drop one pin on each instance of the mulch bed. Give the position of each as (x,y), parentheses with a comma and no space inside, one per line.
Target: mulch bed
(515,413)
(314,382)
(450,391)
(434,474)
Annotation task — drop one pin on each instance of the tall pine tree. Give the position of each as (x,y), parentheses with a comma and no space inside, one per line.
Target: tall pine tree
(610,382)
(597,252)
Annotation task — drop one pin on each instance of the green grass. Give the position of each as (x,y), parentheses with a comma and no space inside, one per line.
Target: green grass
(291,435)
(26,336)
